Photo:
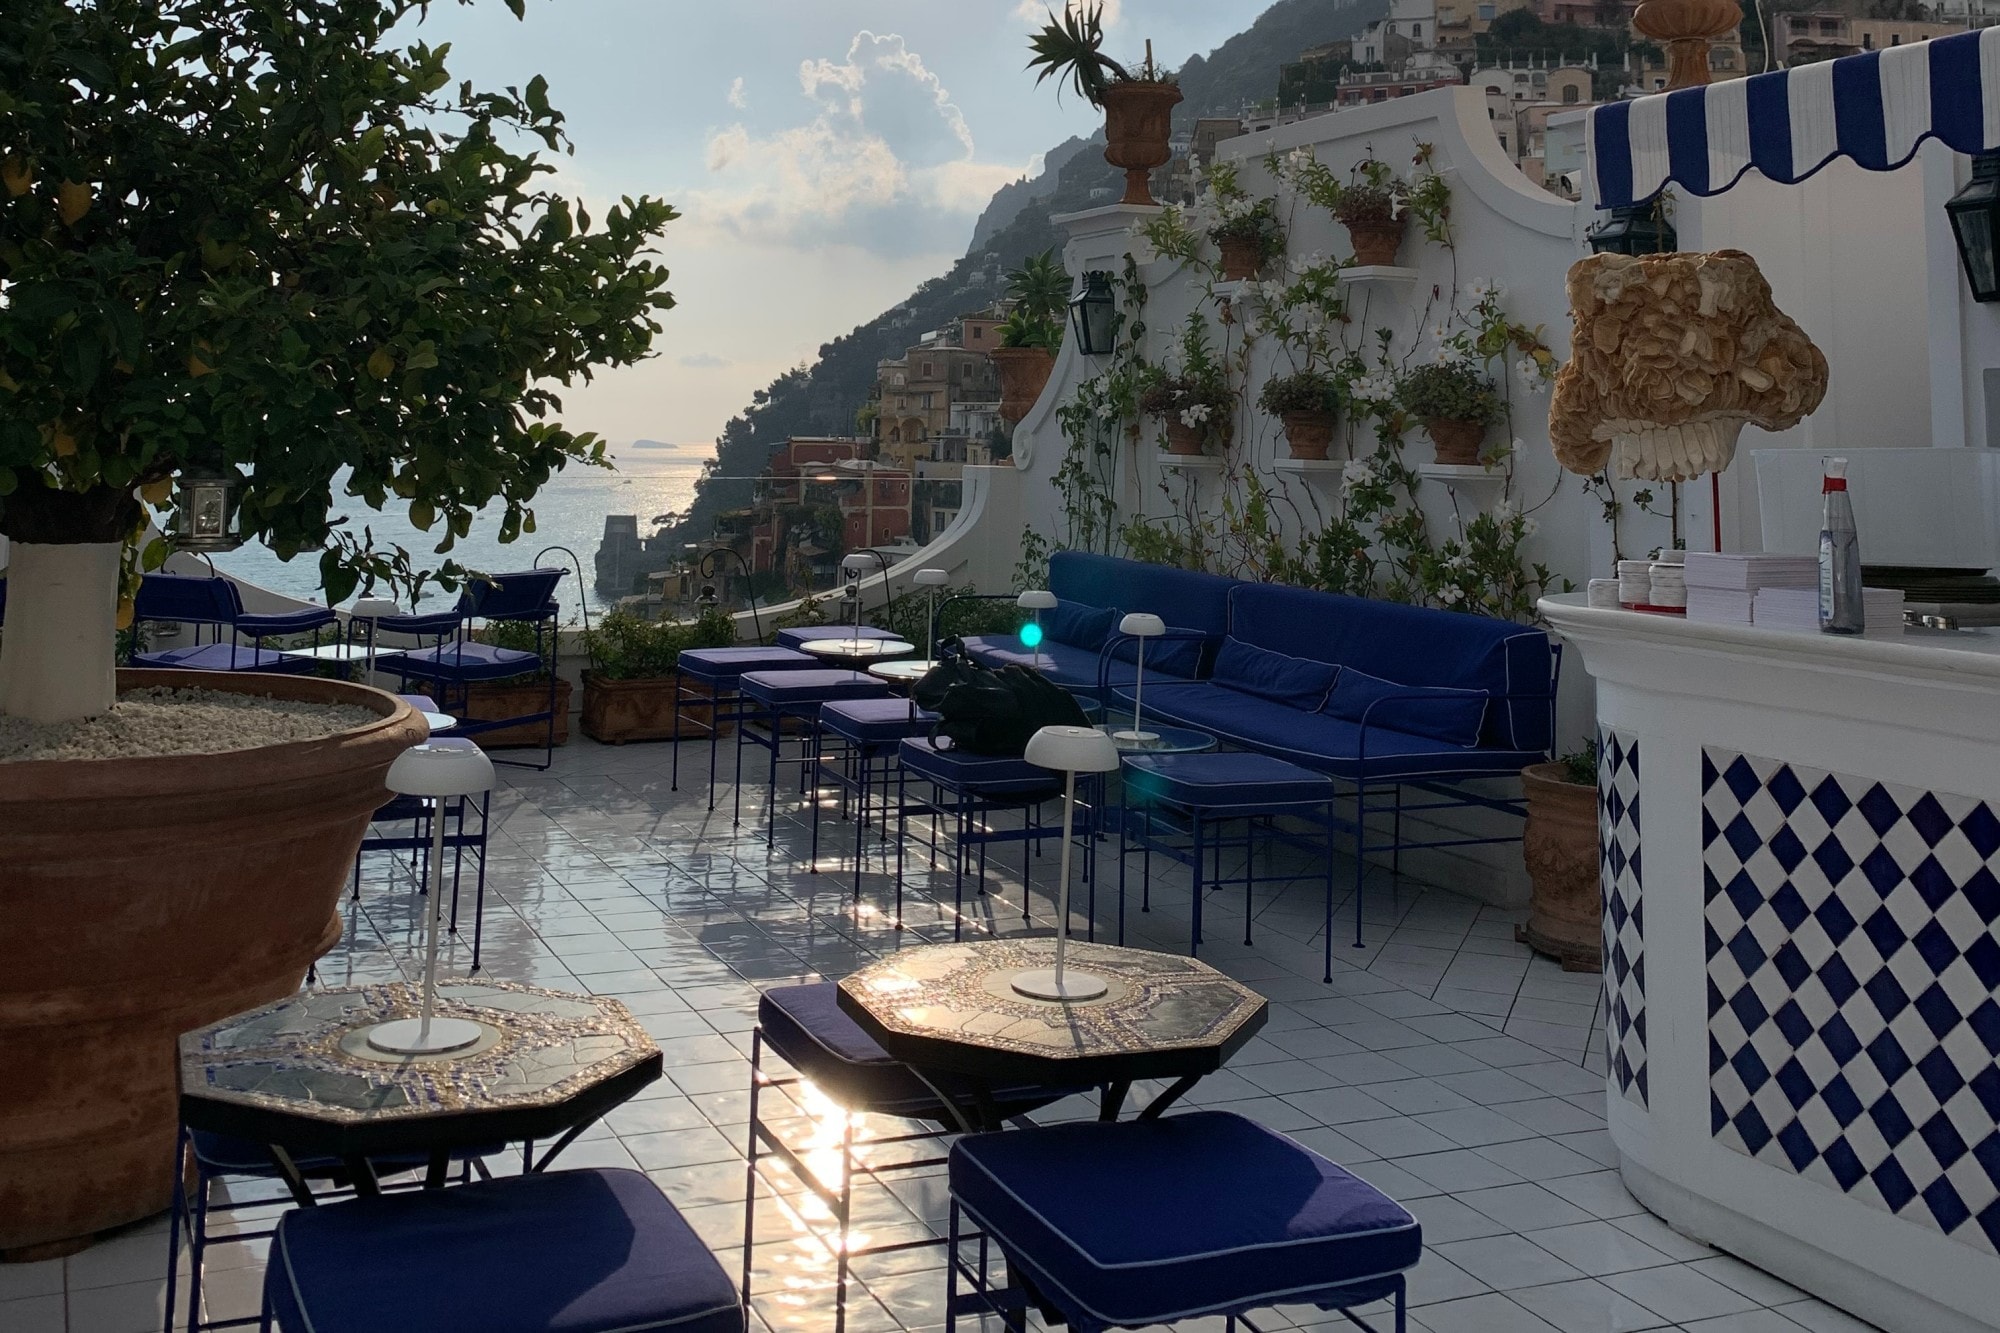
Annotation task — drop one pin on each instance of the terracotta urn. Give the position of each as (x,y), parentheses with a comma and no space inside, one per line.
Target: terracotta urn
(1685,28)
(1376,243)
(1240,259)
(1024,373)
(1183,439)
(1138,122)
(1457,442)
(1560,847)
(145,897)
(1309,434)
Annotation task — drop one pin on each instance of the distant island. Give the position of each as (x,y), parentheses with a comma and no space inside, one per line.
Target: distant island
(653,444)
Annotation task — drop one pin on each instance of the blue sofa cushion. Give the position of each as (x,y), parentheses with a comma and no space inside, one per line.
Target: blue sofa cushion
(1224,780)
(1441,713)
(1070,667)
(802,689)
(721,668)
(229,657)
(465,660)
(1297,681)
(1413,644)
(1150,1222)
(1166,657)
(999,775)
(1079,625)
(1185,598)
(583,1251)
(1320,742)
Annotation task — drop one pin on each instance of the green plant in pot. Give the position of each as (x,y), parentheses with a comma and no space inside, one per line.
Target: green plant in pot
(1245,230)
(1560,847)
(1456,401)
(1194,404)
(1138,104)
(281,245)
(1032,333)
(519,696)
(1371,204)
(628,689)
(1308,403)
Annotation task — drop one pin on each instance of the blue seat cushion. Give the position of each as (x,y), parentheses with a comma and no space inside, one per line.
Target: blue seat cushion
(1071,667)
(1079,625)
(1225,780)
(1322,743)
(1298,681)
(961,769)
(587,1251)
(1436,711)
(466,660)
(796,636)
(722,667)
(798,689)
(1149,1222)
(875,721)
(224,657)
(1165,656)
(809,1030)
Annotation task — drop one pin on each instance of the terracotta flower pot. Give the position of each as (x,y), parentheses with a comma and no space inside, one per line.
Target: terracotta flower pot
(499,698)
(1309,434)
(145,897)
(1024,373)
(1240,259)
(1138,121)
(1376,243)
(1457,442)
(1185,439)
(1560,847)
(617,711)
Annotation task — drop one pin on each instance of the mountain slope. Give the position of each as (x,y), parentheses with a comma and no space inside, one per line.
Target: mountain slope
(823,397)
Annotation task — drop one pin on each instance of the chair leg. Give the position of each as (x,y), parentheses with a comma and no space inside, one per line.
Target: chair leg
(1194,872)
(951,1271)
(1328,931)
(750,1176)
(479,886)
(1360,855)
(902,832)
(174,1211)
(1249,876)
(842,1217)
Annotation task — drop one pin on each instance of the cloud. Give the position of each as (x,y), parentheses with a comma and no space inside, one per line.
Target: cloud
(1035,13)
(736,97)
(886,161)
(704,361)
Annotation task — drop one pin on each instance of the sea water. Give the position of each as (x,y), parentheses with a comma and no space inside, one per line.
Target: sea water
(569,511)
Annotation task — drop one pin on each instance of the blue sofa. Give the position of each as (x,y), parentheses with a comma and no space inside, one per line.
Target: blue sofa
(1093,593)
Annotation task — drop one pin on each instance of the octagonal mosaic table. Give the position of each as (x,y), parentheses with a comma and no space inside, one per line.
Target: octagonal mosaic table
(952,1008)
(299,1075)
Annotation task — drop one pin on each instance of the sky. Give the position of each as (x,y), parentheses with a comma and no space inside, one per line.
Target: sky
(826,156)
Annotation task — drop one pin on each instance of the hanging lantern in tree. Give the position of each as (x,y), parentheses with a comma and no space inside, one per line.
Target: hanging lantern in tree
(205,501)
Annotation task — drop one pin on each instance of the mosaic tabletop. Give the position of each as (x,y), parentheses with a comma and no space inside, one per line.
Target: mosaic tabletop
(301,1070)
(952,1006)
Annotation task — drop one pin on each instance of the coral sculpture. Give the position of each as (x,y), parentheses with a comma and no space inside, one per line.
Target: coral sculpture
(1670,355)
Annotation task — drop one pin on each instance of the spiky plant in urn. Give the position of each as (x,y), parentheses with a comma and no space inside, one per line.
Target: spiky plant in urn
(1138,105)
(249,250)
(1026,357)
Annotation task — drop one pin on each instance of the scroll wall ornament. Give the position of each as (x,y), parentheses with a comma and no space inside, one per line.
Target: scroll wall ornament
(1670,355)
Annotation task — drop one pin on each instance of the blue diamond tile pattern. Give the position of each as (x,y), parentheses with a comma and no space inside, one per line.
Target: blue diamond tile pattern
(1619,873)
(1853,960)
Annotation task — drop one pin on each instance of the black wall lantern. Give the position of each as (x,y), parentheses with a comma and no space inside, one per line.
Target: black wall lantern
(1634,229)
(1093,313)
(205,501)
(1975,225)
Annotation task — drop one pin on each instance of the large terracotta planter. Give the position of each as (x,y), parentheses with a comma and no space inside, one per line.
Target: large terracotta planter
(1024,373)
(1185,440)
(489,700)
(1457,442)
(1138,122)
(1560,847)
(1240,259)
(1376,243)
(1309,434)
(617,711)
(140,898)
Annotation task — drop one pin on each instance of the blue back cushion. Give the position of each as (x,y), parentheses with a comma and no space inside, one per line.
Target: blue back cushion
(1442,713)
(1413,645)
(193,599)
(1078,625)
(527,594)
(1183,598)
(1298,682)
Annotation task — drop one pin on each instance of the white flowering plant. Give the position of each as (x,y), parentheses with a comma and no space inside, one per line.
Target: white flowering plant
(1196,394)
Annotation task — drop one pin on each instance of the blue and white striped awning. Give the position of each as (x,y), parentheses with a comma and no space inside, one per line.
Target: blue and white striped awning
(1875,108)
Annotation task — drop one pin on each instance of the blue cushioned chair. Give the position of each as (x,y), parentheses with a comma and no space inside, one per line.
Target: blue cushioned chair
(587,1251)
(706,680)
(217,603)
(455,660)
(806,1028)
(770,700)
(1156,1221)
(1182,805)
(854,739)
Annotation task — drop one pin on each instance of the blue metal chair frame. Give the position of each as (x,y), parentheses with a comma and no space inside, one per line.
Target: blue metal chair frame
(752,713)
(723,703)
(216,602)
(416,811)
(851,767)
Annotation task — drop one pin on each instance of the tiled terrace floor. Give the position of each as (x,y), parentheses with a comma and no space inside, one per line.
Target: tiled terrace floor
(1444,1063)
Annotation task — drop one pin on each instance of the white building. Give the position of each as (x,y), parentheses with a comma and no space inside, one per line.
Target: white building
(1414,21)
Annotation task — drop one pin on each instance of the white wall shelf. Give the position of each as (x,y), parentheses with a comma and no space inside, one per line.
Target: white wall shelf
(1378,273)
(1242,289)
(1191,462)
(1460,474)
(1328,466)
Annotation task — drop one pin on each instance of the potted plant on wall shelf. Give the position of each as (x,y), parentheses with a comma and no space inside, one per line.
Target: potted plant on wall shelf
(1308,403)
(1246,230)
(1026,356)
(1560,847)
(628,689)
(1456,402)
(1138,106)
(1195,404)
(1371,206)
(389,297)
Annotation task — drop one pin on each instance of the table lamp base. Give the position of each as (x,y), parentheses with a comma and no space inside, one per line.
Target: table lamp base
(404,1036)
(1041,984)
(1135,737)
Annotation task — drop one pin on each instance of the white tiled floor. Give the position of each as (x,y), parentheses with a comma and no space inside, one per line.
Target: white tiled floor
(1444,1063)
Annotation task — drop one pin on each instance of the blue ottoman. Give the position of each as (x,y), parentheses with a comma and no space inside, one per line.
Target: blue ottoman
(773,697)
(717,671)
(865,734)
(1154,1221)
(594,1251)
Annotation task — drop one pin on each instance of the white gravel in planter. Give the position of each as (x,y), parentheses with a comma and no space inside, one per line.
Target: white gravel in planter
(152,722)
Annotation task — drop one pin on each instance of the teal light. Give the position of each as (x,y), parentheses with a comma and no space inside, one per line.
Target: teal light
(1031,635)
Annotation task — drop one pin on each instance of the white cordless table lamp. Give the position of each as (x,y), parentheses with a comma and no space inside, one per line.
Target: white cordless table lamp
(1034,602)
(1069,751)
(1141,626)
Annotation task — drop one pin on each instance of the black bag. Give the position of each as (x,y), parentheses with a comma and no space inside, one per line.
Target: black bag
(982,711)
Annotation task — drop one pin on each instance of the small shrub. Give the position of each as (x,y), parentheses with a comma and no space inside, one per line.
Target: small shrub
(1305,391)
(1450,391)
(624,646)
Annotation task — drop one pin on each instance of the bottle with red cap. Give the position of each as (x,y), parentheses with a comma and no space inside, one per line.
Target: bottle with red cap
(1839,555)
